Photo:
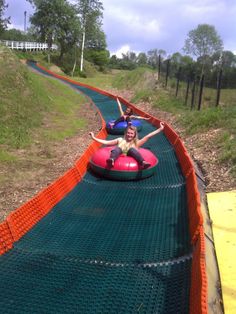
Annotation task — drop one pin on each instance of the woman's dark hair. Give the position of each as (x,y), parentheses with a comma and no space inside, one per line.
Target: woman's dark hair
(130,111)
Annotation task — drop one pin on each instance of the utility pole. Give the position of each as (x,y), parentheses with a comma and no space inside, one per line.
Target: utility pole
(25,21)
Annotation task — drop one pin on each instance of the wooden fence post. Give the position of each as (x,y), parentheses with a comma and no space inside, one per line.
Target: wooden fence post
(193,94)
(167,71)
(200,93)
(177,82)
(219,79)
(159,67)
(187,91)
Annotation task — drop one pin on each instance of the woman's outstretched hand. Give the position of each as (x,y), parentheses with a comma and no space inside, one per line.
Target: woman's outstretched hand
(162,124)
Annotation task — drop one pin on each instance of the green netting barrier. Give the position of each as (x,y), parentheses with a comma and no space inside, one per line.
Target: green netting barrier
(107,247)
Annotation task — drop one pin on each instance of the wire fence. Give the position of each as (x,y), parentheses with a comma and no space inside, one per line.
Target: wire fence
(214,88)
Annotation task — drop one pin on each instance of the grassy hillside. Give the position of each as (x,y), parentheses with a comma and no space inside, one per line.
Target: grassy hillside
(32,106)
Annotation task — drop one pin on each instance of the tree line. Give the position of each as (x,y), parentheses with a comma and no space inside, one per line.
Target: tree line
(204,56)
(77,30)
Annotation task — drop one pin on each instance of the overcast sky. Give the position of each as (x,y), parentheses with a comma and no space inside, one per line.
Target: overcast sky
(142,25)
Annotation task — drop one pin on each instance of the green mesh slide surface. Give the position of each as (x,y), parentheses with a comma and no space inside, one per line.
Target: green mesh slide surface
(108,246)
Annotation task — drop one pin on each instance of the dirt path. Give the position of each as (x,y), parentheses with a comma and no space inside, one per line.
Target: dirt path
(39,166)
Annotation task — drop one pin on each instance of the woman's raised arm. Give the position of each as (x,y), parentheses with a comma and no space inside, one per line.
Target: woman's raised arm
(101,141)
(149,135)
(139,117)
(120,107)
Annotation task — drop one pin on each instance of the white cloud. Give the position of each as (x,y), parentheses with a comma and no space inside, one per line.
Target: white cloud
(11,26)
(136,23)
(123,50)
(148,24)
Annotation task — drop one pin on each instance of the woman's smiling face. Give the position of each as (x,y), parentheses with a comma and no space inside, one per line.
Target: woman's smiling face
(130,135)
(128,111)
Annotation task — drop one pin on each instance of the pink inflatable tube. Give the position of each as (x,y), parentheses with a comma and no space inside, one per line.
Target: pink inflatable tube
(125,167)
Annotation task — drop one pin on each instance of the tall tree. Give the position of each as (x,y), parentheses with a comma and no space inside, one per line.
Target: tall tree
(153,56)
(203,42)
(14,34)
(56,20)
(142,59)
(186,64)
(90,13)
(68,28)
(96,38)
(129,56)
(226,59)
(3,21)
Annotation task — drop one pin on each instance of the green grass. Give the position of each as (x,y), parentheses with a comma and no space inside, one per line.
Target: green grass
(19,108)
(227,142)
(31,104)
(63,128)
(198,121)
(100,80)
(165,102)
(39,56)
(63,106)
(139,78)
(6,157)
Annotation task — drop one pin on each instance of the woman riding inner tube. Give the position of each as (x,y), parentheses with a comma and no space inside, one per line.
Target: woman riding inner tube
(114,127)
(129,146)
(126,118)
